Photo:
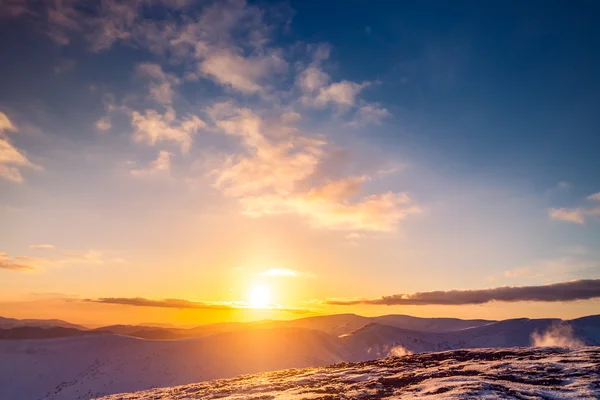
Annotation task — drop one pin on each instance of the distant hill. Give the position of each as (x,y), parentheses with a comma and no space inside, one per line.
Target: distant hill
(6,323)
(429,324)
(36,332)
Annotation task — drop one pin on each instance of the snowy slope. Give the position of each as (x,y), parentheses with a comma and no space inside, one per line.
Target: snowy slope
(97,364)
(77,368)
(377,340)
(543,373)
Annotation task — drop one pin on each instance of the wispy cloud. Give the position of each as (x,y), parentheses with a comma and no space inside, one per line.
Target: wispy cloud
(21,263)
(187,304)
(11,158)
(574,215)
(279,175)
(277,167)
(238,72)
(161,83)
(565,291)
(43,246)
(595,197)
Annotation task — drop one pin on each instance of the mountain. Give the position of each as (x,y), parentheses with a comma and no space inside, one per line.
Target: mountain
(335,325)
(92,365)
(378,340)
(518,373)
(35,332)
(429,324)
(7,323)
(88,363)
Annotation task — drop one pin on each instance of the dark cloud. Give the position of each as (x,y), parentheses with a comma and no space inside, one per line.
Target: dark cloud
(185,304)
(565,291)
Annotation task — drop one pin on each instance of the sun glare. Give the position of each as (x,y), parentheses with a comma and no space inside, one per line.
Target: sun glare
(260,297)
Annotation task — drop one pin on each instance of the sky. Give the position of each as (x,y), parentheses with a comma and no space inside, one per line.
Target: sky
(192,162)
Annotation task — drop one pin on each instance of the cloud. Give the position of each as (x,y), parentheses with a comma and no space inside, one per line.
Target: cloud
(186,304)
(161,83)
(574,215)
(279,173)
(565,291)
(290,117)
(11,158)
(595,196)
(312,80)
(342,93)
(369,114)
(41,246)
(22,263)
(238,72)
(162,165)
(276,168)
(285,272)
(103,124)
(151,127)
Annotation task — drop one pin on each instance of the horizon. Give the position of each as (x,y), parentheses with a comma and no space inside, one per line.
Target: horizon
(195,162)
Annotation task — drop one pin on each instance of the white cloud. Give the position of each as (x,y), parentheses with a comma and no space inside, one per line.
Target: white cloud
(11,158)
(370,114)
(152,127)
(312,80)
(595,196)
(342,93)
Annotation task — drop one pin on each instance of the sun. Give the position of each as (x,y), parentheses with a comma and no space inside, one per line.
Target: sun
(260,297)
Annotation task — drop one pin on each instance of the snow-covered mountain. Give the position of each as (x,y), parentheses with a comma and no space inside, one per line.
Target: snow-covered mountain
(517,373)
(377,340)
(99,362)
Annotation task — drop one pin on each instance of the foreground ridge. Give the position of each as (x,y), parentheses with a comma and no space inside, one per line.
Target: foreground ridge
(521,373)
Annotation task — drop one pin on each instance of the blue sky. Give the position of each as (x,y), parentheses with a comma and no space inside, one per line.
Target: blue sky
(191,146)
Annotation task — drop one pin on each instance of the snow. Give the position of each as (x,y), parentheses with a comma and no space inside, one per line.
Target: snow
(515,373)
(83,367)
(88,366)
